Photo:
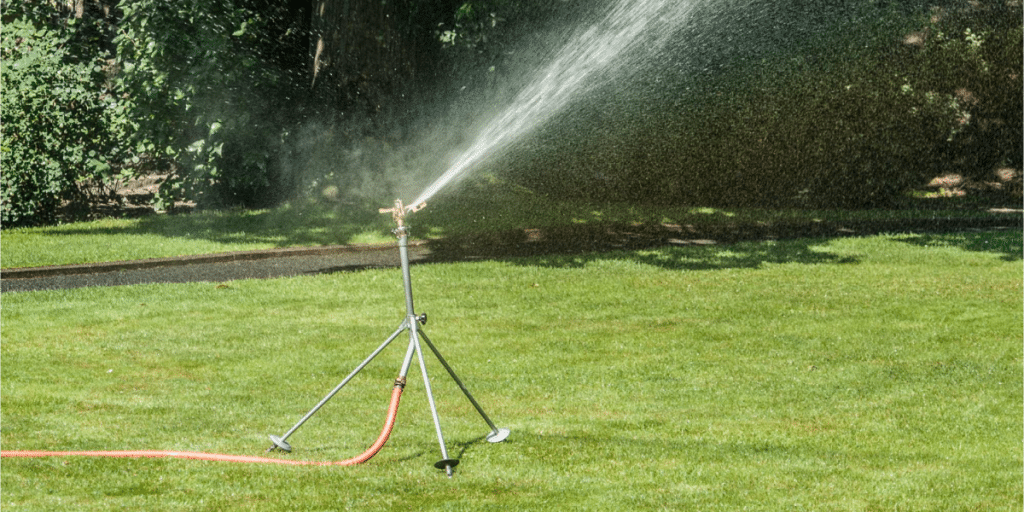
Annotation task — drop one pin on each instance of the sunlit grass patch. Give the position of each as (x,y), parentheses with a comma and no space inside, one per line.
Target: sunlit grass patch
(470,213)
(849,374)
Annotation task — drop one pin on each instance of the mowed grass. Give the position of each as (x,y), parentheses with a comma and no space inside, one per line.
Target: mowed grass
(477,209)
(206,232)
(878,373)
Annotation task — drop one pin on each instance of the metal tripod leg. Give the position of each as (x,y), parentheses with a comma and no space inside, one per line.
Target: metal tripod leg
(412,323)
(281,443)
(497,435)
(446,463)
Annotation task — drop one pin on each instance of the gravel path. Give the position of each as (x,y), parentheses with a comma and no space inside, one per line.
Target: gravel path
(215,268)
(566,240)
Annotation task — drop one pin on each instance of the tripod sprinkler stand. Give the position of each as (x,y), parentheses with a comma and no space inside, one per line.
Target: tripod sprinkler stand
(412,323)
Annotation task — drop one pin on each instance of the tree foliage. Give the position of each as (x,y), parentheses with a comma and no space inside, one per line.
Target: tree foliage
(211,99)
(62,125)
(856,118)
(247,102)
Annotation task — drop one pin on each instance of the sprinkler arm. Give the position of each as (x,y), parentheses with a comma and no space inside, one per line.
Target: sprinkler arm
(399,211)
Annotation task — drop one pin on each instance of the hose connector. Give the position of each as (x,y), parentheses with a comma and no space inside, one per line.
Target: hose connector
(400,382)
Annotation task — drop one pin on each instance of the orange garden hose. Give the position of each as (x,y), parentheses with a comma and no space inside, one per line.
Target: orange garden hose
(389,424)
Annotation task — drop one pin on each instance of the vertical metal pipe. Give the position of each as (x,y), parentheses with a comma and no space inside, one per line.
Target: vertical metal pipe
(403,252)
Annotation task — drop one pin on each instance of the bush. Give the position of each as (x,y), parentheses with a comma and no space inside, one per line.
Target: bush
(59,126)
(209,96)
(836,123)
(938,98)
(858,139)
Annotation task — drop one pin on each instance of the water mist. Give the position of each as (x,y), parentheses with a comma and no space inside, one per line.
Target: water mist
(624,33)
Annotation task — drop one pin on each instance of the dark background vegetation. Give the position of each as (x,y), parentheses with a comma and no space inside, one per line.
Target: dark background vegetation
(850,103)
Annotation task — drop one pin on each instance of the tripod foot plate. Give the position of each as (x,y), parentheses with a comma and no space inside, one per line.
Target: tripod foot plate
(280,443)
(446,463)
(498,435)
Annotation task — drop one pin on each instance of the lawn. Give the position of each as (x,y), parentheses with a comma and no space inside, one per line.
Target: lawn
(870,373)
(474,211)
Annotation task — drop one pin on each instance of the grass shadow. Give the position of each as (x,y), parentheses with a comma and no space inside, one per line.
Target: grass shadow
(660,246)
(750,254)
(716,245)
(500,224)
(285,226)
(1006,243)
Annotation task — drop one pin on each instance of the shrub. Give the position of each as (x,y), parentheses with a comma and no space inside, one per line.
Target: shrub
(854,122)
(208,95)
(59,126)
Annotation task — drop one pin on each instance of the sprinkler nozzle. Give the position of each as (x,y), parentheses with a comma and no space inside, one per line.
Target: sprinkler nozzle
(399,211)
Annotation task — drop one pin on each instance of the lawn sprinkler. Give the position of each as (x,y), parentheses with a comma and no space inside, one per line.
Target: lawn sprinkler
(413,324)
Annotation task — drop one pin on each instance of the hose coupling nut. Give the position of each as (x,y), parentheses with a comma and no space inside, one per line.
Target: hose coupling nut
(400,382)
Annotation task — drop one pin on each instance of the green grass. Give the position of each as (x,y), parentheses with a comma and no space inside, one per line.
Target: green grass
(477,209)
(160,236)
(878,373)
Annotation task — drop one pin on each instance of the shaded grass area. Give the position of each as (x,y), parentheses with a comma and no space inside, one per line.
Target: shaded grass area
(873,373)
(492,218)
(207,232)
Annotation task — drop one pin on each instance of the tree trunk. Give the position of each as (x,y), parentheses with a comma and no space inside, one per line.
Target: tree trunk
(77,8)
(360,55)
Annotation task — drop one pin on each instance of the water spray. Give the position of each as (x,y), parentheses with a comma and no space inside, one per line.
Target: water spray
(413,324)
(625,34)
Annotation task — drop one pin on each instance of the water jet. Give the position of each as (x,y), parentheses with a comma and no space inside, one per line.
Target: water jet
(593,57)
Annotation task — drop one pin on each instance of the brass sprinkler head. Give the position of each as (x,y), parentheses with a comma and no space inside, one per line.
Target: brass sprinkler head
(398,211)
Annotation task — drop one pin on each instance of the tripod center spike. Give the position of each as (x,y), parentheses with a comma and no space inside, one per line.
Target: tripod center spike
(413,324)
